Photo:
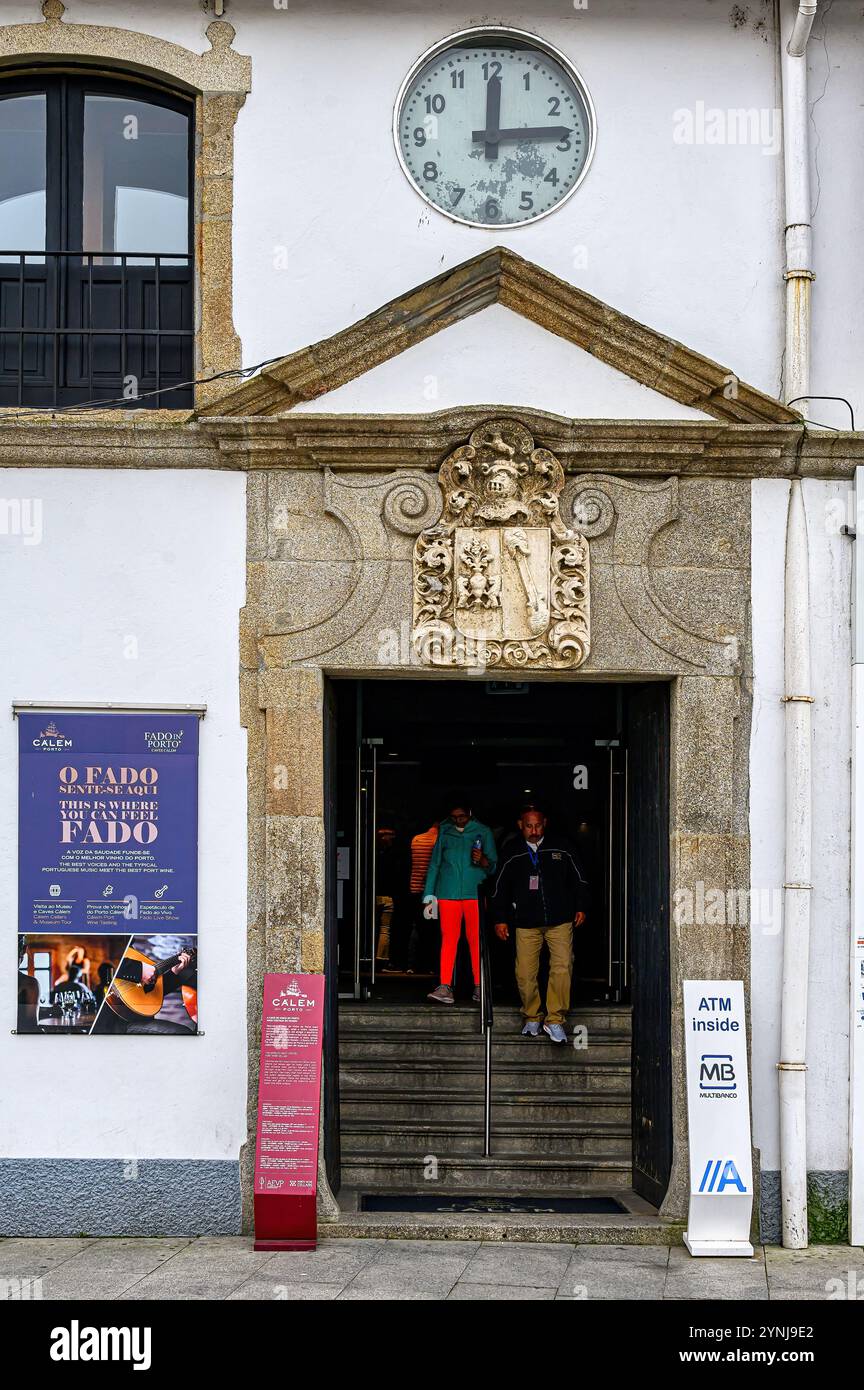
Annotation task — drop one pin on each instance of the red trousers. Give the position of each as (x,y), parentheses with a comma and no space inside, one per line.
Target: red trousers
(450,913)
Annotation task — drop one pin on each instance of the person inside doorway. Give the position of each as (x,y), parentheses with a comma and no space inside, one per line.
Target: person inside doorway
(423,948)
(463,856)
(540,892)
(391,883)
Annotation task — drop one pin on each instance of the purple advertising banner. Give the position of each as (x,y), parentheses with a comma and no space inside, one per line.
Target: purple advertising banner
(108,872)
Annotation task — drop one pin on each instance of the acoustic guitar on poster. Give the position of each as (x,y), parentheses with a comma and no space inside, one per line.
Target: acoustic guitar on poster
(132,1000)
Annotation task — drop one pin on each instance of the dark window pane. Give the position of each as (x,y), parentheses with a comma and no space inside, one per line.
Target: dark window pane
(22,173)
(89,177)
(136,177)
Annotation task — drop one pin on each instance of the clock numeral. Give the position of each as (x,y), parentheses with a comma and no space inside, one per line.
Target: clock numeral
(565,144)
(491,70)
(527,201)
(456,194)
(435,103)
(430,170)
(527,80)
(419,137)
(554,106)
(457,79)
(551,177)
(492,209)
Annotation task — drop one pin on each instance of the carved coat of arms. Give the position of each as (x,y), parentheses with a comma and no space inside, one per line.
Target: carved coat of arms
(499,580)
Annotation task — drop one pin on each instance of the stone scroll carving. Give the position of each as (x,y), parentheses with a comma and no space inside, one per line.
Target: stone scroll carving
(371,511)
(499,580)
(636,512)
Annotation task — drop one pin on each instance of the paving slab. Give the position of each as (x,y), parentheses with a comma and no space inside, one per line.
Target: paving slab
(168,1287)
(391,1293)
(334,1262)
(220,1245)
(615,1271)
(262,1290)
(25,1258)
(715,1277)
(463,1293)
(106,1268)
(525,1265)
(830,1272)
(612,1279)
(655,1256)
(194,1271)
(392,1251)
(214,1268)
(387,1281)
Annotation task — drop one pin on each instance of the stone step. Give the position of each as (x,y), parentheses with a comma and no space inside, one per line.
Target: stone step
(464,1018)
(414,1077)
(456,1137)
(527,1107)
(572,1228)
(398,1046)
(502,1174)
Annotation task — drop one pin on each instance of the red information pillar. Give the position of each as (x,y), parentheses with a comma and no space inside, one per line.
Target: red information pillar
(289,1091)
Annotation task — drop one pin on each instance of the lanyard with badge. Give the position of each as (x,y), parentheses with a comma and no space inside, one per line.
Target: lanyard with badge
(534,879)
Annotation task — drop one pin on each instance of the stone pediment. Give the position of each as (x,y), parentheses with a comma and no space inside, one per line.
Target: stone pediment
(501,277)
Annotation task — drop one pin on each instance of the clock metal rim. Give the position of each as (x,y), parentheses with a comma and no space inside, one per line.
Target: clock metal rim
(500,32)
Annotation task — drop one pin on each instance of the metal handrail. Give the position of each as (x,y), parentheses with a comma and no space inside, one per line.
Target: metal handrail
(52,332)
(487,1023)
(38,252)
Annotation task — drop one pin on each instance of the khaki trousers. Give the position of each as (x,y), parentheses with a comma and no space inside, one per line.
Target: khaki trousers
(529,943)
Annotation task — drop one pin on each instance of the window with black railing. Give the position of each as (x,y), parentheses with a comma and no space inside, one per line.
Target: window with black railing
(96,267)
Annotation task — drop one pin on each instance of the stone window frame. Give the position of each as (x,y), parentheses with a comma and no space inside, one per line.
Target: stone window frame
(218,81)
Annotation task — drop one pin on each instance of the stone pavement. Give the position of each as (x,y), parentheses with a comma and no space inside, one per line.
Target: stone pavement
(227,1267)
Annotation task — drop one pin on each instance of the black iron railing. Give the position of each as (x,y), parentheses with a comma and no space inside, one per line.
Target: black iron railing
(487,1022)
(98,327)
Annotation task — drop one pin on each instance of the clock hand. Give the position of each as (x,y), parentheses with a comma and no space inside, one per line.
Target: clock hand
(493,117)
(551,132)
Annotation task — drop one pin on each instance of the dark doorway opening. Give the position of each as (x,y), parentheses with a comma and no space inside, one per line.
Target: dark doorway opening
(404,750)
(595,757)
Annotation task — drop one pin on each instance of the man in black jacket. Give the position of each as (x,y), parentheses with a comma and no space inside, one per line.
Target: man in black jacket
(540,891)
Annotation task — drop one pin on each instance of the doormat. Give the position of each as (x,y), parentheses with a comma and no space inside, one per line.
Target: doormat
(536,1206)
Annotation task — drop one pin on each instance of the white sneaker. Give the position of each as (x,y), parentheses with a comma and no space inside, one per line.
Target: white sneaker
(532,1028)
(556,1031)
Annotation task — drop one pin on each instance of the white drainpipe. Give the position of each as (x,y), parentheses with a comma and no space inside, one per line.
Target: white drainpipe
(792,1066)
(796,168)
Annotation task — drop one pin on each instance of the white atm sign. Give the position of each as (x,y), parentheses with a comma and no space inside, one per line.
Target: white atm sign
(718,1104)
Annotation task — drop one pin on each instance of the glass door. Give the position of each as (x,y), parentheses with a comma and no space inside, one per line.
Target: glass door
(367,922)
(615,856)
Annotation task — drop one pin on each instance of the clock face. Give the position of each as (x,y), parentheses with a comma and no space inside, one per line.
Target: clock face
(494,128)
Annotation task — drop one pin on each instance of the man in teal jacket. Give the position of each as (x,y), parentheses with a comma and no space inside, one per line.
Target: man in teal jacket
(463,856)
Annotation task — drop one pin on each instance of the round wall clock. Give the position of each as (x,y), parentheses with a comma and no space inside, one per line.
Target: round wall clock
(494,127)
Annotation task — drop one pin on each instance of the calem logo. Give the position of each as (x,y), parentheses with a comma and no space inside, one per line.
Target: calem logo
(292,997)
(51,740)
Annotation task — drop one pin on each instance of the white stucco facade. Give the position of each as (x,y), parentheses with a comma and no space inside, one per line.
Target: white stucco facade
(828,1013)
(134,590)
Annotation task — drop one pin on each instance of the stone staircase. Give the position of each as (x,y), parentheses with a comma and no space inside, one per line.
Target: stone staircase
(411,1088)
